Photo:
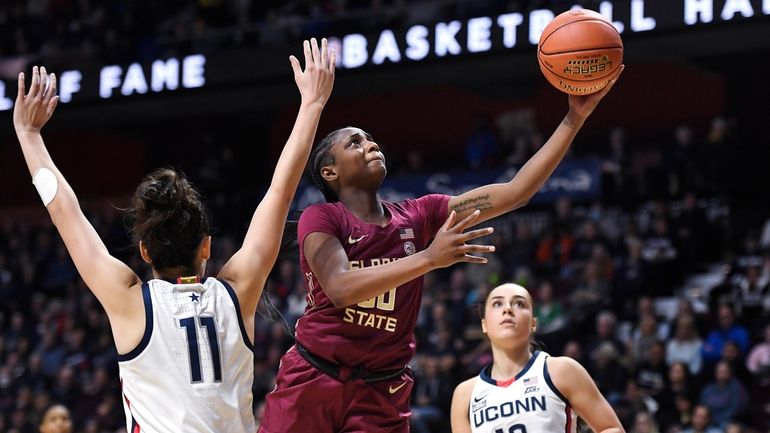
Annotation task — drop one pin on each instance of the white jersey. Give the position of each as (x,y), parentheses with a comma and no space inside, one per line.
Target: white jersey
(528,403)
(194,368)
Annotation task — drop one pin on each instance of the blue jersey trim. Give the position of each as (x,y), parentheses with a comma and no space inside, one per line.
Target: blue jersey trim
(486,372)
(148,324)
(234,297)
(551,385)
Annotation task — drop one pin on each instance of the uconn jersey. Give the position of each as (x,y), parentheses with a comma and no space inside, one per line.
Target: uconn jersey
(193,369)
(529,403)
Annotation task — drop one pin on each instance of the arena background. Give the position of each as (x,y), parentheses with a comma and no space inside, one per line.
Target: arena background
(223,116)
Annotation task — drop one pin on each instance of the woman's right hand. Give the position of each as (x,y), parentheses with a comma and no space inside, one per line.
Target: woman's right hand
(34,109)
(449,246)
(316,81)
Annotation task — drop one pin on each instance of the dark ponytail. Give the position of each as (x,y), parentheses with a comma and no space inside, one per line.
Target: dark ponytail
(289,250)
(168,216)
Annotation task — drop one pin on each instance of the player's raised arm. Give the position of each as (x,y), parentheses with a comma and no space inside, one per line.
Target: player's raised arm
(107,277)
(249,267)
(496,199)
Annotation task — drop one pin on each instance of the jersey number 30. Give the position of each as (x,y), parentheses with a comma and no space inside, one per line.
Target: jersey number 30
(188,323)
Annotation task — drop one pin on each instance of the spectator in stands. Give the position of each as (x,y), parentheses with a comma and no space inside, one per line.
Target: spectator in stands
(606,326)
(680,382)
(682,419)
(589,237)
(731,353)
(645,423)
(692,236)
(651,372)
(758,360)
(679,159)
(661,255)
(56,419)
(633,401)
(629,278)
(643,338)
(609,374)
(617,182)
(574,350)
(701,421)
(750,295)
(727,329)
(549,310)
(589,296)
(431,396)
(758,363)
(685,346)
(725,397)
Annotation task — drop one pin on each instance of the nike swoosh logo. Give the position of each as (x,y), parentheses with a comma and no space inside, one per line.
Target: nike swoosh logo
(353,241)
(393,390)
(479,398)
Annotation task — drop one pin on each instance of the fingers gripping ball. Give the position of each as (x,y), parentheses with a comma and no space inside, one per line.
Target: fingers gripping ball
(579,51)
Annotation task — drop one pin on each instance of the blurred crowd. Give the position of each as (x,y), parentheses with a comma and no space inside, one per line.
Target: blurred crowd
(651,286)
(130,30)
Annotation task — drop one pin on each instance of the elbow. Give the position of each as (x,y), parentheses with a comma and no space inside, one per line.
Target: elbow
(61,210)
(519,203)
(338,299)
(283,195)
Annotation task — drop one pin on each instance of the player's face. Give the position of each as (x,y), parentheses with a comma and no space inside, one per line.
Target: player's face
(357,158)
(508,315)
(56,420)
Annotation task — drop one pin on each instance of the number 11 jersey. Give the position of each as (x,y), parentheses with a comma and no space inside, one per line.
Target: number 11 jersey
(194,367)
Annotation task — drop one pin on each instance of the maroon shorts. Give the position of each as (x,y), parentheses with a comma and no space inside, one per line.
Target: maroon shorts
(307,400)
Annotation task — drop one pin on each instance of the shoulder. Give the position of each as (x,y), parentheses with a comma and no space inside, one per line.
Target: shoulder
(565,372)
(319,209)
(563,364)
(462,392)
(325,217)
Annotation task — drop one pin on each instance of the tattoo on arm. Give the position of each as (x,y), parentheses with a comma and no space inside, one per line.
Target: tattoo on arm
(481,202)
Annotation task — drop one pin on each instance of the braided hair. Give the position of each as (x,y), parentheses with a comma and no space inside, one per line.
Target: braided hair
(320,157)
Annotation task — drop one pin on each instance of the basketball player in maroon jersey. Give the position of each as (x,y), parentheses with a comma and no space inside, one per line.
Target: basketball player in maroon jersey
(363,259)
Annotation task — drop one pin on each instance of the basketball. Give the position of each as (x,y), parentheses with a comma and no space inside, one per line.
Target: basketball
(579,51)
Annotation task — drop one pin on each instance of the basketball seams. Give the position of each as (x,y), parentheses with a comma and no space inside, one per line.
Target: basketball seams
(540,45)
(612,47)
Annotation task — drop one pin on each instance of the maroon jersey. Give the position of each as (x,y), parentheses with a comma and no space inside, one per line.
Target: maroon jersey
(377,333)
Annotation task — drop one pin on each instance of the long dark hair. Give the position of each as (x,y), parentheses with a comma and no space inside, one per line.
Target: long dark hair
(320,157)
(168,216)
(289,250)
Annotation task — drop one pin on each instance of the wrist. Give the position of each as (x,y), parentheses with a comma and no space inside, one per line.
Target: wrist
(573,120)
(312,105)
(425,261)
(26,131)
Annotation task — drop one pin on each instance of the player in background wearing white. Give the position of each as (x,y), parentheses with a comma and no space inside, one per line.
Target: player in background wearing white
(524,390)
(184,341)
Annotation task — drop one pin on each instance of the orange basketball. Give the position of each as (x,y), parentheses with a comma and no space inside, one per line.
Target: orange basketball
(579,51)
